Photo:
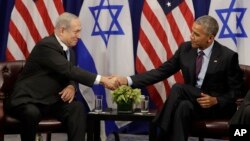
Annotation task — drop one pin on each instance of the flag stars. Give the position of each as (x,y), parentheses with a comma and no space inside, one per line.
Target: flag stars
(112,12)
(226,30)
(168,4)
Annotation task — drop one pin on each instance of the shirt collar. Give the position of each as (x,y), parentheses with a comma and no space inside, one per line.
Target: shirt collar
(208,50)
(61,43)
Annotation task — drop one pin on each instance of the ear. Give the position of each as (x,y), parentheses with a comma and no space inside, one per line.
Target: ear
(210,38)
(62,29)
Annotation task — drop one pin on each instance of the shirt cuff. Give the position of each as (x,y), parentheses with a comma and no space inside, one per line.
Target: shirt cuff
(130,82)
(98,79)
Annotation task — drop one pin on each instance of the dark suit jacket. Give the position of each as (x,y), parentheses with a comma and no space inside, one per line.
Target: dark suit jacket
(223,78)
(46,72)
(240,117)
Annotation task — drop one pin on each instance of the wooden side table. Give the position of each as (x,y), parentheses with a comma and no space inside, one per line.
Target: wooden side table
(94,119)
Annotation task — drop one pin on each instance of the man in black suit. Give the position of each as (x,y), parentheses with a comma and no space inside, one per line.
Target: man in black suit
(47,84)
(242,115)
(208,91)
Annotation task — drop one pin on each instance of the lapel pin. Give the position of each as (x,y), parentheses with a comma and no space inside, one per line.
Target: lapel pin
(215,61)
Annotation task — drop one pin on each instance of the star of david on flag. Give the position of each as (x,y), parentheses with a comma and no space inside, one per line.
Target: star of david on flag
(112,28)
(233,19)
(106,44)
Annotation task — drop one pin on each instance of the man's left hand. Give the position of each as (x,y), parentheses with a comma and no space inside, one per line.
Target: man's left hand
(206,101)
(68,93)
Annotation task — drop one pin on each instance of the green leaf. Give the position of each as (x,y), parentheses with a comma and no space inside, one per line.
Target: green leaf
(126,93)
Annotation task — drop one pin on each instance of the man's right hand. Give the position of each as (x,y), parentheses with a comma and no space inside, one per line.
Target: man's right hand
(121,79)
(109,82)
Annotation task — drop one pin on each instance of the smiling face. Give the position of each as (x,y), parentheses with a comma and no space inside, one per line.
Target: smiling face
(70,35)
(199,38)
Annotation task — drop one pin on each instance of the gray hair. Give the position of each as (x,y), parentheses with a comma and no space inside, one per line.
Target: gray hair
(64,20)
(209,24)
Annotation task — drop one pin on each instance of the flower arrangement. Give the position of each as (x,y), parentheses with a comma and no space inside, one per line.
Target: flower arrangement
(126,94)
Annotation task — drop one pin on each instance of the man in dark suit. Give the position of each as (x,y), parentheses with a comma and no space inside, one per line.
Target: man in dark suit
(242,115)
(47,84)
(212,80)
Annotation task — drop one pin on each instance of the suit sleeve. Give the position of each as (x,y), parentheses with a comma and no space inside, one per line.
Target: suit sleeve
(164,71)
(234,80)
(55,60)
(73,61)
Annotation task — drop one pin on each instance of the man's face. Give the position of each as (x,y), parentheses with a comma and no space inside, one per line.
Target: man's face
(198,37)
(70,36)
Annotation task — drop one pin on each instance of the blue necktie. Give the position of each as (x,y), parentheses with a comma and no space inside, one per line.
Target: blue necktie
(199,63)
(67,54)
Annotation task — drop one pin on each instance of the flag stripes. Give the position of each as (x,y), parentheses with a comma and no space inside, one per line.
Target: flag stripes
(159,37)
(30,22)
(45,16)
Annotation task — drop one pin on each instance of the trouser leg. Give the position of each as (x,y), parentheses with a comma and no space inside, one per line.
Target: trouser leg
(179,92)
(182,121)
(73,116)
(29,115)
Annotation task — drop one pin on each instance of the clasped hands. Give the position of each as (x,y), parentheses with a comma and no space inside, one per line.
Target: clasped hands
(113,82)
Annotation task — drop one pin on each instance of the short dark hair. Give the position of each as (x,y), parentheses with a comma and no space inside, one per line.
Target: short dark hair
(209,24)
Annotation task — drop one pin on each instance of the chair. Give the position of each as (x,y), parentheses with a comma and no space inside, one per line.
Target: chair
(219,128)
(9,72)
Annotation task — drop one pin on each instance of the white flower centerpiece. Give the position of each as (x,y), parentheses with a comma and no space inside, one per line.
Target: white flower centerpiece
(125,96)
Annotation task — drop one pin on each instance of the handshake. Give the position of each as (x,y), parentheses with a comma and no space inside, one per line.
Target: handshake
(113,82)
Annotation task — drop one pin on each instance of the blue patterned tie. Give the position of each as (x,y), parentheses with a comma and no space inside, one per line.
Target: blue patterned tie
(199,63)
(67,54)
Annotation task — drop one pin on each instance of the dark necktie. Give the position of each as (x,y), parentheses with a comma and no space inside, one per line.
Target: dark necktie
(199,63)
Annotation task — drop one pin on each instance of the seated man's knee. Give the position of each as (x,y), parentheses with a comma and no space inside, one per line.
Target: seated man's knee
(185,108)
(78,105)
(185,104)
(31,112)
(78,108)
(177,86)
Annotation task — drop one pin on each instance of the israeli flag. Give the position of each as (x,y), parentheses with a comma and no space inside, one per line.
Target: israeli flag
(106,47)
(233,18)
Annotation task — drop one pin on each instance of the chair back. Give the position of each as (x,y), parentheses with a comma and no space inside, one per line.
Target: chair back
(9,72)
(246,78)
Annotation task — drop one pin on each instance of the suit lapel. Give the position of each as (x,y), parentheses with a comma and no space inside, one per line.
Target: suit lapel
(63,52)
(59,48)
(214,60)
(193,55)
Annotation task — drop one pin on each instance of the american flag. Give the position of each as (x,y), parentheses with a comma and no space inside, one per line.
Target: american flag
(165,24)
(31,20)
